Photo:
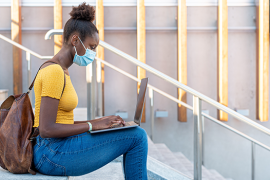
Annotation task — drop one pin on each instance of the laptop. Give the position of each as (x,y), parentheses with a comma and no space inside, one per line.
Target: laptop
(138,110)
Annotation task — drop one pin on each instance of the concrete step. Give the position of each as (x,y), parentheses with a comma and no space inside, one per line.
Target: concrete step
(153,151)
(111,171)
(189,165)
(206,174)
(6,175)
(171,160)
(179,162)
(161,153)
(216,175)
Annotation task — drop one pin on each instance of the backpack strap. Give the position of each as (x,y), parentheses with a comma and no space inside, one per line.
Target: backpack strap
(35,130)
(31,86)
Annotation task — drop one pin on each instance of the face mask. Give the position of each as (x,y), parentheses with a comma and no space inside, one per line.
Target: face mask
(86,59)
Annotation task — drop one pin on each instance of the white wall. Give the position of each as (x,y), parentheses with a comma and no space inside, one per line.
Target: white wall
(225,151)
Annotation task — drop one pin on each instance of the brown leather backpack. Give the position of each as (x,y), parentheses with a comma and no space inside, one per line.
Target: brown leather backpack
(17,132)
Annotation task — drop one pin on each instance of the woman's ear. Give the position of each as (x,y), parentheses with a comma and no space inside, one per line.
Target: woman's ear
(74,40)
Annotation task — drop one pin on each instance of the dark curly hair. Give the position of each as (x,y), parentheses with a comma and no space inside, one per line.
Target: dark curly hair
(81,21)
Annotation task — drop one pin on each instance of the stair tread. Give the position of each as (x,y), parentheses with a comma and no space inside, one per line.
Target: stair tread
(179,161)
(166,156)
(183,163)
(112,171)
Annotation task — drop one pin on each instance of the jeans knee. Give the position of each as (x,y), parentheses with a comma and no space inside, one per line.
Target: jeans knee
(142,135)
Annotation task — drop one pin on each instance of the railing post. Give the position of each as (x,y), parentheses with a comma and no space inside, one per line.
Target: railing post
(253,161)
(99,93)
(197,116)
(203,140)
(28,59)
(93,89)
(88,81)
(152,116)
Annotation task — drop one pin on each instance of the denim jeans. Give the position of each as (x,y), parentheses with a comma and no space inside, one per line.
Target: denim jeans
(84,153)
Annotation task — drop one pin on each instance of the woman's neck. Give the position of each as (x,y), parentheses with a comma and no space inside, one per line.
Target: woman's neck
(64,57)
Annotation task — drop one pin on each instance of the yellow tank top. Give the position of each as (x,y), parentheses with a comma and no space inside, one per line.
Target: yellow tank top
(50,82)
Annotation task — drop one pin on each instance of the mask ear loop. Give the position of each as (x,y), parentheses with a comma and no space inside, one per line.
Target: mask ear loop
(75,49)
(82,43)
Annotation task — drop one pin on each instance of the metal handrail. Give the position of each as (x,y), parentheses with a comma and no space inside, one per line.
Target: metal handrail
(174,82)
(24,48)
(52,32)
(28,58)
(236,131)
(186,88)
(184,104)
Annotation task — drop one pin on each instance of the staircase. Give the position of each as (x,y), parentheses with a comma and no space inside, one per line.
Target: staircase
(178,161)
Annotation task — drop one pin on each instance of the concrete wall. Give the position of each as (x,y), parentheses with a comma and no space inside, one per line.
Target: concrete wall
(225,151)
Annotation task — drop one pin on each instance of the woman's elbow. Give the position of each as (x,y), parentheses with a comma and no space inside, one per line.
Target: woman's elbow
(44,133)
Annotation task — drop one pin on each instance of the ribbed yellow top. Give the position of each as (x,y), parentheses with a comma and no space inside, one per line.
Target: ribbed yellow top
(50,82)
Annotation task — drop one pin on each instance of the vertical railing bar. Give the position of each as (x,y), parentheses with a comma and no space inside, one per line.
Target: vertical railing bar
(99,89)
(253,160)
(197,115)
(152,117)
(28,59)
(93,89)
(203,140)
(89,90)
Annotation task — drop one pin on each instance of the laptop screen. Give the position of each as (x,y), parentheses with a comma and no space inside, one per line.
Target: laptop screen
(140,101)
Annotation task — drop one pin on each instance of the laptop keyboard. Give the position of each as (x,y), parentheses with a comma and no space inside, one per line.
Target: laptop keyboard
(131,123)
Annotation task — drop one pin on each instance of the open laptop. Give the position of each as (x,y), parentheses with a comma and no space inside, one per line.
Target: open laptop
(138,111)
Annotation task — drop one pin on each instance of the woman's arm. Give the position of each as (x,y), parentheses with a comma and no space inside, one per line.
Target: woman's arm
(78,122)
(48,127)
(94,120)
(91,121)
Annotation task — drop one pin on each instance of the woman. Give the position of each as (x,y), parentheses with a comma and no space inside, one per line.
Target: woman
(66,147)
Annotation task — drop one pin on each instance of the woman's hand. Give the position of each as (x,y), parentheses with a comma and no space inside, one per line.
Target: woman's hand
(106,122)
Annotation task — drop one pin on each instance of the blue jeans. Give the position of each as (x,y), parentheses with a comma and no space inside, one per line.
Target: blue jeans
(84,153)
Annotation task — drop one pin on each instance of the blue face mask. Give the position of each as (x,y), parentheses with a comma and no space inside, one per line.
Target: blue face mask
(86,59)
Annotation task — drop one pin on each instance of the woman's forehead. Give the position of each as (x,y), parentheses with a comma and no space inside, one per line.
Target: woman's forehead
(94,38)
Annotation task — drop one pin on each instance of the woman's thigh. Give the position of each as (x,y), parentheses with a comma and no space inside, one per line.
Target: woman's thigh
(83,153)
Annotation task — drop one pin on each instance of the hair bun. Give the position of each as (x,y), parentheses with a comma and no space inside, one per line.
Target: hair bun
(83,12)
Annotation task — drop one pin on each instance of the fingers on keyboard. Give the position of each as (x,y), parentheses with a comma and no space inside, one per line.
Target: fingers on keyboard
(116,125)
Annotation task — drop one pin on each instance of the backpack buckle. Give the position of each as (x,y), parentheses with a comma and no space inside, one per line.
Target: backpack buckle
(32,139)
